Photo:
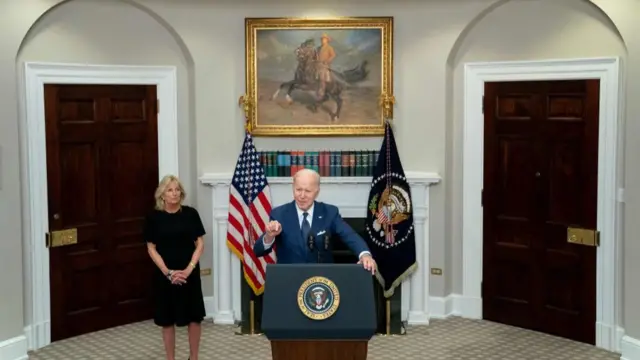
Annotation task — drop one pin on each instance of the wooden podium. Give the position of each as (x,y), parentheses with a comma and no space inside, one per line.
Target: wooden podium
(318,311)
(318,350)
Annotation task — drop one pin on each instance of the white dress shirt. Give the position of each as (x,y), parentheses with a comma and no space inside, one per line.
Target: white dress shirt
(310,220)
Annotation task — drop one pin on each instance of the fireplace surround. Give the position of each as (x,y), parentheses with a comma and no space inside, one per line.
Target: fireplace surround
(350,195)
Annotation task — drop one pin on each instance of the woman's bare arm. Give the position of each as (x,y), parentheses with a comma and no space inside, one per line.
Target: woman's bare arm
(157,259)
(197,253)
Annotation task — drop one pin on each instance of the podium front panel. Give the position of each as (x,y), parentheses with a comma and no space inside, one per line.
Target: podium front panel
(318,301)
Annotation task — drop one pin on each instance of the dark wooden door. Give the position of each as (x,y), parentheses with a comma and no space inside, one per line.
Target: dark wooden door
(540,177)
(102,171)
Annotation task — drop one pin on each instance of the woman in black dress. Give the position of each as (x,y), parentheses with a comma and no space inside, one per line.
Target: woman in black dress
(173,233)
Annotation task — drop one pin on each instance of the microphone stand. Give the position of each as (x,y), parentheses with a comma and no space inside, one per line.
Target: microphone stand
(326,242)
(312,247)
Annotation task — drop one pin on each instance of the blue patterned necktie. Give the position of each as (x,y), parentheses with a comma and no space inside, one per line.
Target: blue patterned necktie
(306,227)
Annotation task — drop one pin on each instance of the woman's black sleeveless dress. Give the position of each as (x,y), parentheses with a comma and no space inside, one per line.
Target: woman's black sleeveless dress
(174,235)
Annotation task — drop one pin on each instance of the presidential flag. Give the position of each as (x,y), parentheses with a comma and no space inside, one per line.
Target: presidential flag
(249,208)
(389,224)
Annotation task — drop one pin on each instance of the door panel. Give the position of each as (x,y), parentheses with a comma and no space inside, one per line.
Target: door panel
(102,169)
(540,177)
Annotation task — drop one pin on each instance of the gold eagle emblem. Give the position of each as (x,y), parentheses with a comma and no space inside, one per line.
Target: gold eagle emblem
(392,207)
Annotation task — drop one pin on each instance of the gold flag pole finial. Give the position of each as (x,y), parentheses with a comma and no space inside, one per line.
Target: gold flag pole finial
(386,103)
(247,103)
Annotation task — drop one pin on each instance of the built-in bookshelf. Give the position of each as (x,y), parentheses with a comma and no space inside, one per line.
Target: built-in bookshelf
(326,163)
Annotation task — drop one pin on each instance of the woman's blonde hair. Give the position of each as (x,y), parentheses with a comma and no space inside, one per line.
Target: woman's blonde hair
(162,187)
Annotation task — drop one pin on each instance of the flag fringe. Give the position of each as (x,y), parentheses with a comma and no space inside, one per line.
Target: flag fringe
(256,290)
(405,275)
(235,251)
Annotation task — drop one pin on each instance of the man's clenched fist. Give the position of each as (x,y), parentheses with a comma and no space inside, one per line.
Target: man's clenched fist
(273,229)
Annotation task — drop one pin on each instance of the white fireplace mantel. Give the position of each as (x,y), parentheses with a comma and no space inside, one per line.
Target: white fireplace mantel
(350,195)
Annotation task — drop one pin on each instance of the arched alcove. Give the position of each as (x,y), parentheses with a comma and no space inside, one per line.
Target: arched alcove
(115,33)
(120,32)
(516,31)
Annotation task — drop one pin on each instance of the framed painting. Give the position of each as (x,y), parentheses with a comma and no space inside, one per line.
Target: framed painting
(328,77)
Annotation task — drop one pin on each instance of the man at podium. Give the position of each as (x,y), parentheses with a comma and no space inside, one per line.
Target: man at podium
(301,229)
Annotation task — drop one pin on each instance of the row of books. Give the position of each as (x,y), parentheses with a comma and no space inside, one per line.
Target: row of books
(326,163)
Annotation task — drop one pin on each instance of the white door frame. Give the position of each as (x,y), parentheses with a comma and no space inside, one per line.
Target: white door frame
(35,212)
(608,333)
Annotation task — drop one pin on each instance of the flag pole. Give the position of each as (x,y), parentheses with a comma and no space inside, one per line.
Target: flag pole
(252,318)
(387,102)
(388,317)
(247,104)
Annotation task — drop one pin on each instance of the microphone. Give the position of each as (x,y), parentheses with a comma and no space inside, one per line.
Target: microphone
(326,241)
(311,242)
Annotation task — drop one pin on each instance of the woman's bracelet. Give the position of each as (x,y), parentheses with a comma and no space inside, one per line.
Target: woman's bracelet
(192,264)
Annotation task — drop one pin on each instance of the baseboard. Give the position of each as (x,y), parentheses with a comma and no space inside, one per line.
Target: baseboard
(443,307)
(469,307)
(208,307)
(609,337)
(619,336)
(28,333)
(14,348)
(630,348)
(455,305)
(38,335)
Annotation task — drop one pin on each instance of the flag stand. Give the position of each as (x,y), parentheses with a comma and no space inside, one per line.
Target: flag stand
(387,320)
(393,324)
(388,316)
(252,322)
(252,318)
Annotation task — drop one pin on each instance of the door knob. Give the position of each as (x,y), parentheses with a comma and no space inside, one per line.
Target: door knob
(56,216)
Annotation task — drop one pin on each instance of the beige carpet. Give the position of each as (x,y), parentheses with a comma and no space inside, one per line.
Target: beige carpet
(450,339)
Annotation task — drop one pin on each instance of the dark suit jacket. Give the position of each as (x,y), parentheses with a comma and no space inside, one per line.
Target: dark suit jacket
(293,249)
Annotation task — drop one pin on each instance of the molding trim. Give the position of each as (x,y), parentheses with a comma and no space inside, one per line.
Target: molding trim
(35,173)
(444,307)
(630,348)
(413,177)
(14,348)
(607,71)
(208,307)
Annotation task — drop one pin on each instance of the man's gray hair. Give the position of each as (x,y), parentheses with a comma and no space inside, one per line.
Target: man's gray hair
(305,171)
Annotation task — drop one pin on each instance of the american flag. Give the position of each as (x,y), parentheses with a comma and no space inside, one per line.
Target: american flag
(249,208)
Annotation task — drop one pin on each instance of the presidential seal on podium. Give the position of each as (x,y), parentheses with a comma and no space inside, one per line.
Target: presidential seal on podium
(318,298)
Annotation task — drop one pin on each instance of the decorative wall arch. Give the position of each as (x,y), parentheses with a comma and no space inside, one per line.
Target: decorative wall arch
(608,331)
(453,53)
(35,266)
(186,53)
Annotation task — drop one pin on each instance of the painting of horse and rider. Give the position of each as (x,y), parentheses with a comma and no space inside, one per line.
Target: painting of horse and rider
(319,77)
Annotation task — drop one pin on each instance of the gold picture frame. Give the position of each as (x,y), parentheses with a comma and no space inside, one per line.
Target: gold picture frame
(299,70)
